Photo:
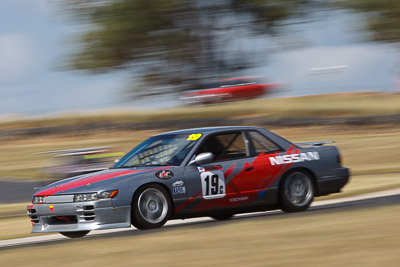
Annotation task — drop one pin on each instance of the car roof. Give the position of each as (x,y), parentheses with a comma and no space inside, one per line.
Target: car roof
(208,130)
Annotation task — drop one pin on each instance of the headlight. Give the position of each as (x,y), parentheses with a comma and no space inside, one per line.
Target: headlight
(38,199)
(95,196)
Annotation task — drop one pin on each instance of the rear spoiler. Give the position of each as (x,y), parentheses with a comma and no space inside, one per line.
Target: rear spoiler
(320,143)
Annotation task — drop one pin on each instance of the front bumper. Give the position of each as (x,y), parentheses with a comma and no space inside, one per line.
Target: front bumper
(78,216)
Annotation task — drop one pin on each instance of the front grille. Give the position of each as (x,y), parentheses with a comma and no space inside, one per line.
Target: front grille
(82,214)
(86,213)
(34,219)
(88,216)
(31,211)
(59,220)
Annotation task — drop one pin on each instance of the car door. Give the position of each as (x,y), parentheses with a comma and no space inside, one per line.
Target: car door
(264,175)
(214,185)
(249,178)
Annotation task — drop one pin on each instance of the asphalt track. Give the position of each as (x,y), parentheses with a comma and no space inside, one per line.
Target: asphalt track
(365,201)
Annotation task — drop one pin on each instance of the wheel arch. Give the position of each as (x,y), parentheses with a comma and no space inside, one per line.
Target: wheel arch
(155,183)
(302,169)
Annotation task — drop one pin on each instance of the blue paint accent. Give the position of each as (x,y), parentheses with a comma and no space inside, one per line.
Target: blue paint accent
(261,193)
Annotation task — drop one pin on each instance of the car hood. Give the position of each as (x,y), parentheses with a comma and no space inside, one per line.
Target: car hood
(95,181)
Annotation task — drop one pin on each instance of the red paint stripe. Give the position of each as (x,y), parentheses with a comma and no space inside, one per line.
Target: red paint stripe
(230,170)
(81,182)
(275,172)
(284,167)
(92,179)
(213,168)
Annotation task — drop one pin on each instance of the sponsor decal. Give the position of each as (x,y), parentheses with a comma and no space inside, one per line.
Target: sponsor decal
(201,169)
(164,174)
(177,183)
(51,207)
(293,158)
(214,168)
(237,199)
(178,188)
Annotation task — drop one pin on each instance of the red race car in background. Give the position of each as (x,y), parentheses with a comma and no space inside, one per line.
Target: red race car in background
(230,90)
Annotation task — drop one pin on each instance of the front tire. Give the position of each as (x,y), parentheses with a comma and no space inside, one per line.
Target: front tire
(151,207)
(296,192)
(77,234)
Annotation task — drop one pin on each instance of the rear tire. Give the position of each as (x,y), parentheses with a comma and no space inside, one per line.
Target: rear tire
(77,234)
(296,191)
(151,207)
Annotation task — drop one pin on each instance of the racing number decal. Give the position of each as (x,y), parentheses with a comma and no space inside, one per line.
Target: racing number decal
(213,184)
(194,137)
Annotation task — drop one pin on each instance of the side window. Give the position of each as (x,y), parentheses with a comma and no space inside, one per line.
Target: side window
(262,143)
(225,146)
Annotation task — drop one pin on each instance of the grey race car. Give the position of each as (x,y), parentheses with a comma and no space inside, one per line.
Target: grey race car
(215,172)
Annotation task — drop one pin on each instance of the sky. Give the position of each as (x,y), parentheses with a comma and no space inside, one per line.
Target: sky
(32,42)
(335,58)
(34,39)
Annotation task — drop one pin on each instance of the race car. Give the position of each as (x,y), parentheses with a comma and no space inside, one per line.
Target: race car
(216,172)
(73,162)
(230,90)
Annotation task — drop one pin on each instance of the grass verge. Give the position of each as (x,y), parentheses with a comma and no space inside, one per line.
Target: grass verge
(331,105)
(364,150)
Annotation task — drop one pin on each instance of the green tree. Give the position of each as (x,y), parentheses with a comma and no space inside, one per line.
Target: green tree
(382,17)
(172,42)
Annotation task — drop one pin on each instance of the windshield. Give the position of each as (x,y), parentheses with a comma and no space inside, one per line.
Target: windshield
(159,150)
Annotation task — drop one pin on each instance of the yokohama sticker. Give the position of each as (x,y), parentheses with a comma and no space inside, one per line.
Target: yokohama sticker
(237,199)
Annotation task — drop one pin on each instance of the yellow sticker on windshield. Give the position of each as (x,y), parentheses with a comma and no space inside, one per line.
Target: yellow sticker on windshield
(194,137)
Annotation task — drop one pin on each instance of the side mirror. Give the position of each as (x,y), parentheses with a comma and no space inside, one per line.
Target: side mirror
(115,162)
(203,158)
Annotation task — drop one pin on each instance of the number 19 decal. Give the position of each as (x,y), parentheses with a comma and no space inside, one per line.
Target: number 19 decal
(213,184)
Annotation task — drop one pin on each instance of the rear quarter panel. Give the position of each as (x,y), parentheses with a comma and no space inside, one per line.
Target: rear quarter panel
(326,167)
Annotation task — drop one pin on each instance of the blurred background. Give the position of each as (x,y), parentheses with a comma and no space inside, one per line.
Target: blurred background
(84,81)
(66,55)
